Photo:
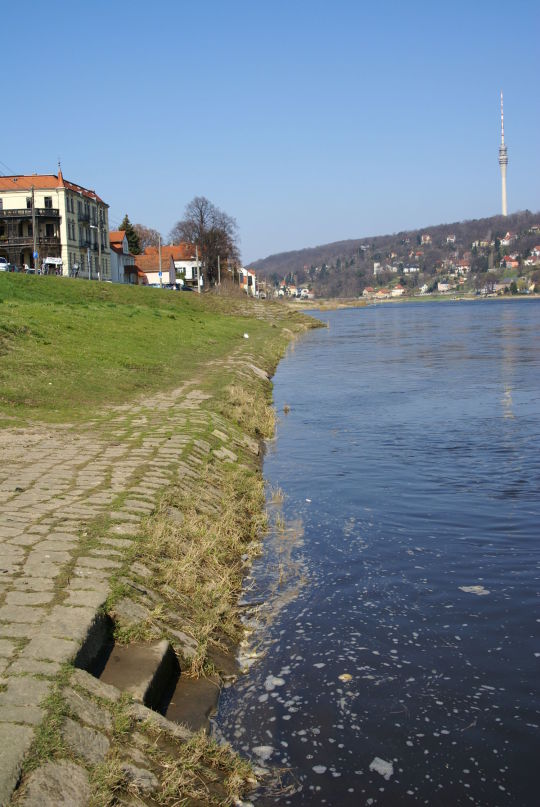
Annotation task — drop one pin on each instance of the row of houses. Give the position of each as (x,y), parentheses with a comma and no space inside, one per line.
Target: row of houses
(51,225)
(155,266)
(370,293)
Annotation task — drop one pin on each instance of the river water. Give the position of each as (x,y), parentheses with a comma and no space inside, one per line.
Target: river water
(395,652)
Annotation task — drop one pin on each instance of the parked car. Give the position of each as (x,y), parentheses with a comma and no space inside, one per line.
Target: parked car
(186,288)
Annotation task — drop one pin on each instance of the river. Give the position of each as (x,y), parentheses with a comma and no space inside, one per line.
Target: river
(395,647)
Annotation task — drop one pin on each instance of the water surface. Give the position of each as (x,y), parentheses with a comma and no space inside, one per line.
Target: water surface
(398,637)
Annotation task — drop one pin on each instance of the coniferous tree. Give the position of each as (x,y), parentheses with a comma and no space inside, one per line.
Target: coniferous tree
(131,235)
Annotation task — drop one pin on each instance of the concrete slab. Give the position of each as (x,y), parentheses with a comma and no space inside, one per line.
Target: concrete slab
(14,742)
(87,743)
(57,784)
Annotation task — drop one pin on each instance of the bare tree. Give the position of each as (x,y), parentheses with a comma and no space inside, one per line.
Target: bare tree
(147,236)
(213,231)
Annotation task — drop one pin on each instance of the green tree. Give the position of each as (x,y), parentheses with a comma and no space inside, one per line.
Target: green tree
(513,287)
(131,235)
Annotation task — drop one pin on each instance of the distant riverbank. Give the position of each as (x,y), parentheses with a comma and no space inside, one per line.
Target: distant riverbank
(336,304)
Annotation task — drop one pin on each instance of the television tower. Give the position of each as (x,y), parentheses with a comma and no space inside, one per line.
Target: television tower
(503,161)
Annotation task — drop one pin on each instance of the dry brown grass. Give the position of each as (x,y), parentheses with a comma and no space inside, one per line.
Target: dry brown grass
(201,558)
(252,411)
(277,496)
(203,772)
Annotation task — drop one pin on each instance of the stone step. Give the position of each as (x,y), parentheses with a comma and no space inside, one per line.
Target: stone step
(148,671)
(194,701)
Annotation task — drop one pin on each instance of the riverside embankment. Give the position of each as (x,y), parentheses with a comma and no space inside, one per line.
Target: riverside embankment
(126,527)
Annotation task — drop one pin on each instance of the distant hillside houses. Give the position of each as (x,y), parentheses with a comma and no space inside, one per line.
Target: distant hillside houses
(460,252)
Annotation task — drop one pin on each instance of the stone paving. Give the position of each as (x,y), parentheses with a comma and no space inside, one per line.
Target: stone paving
(55,485)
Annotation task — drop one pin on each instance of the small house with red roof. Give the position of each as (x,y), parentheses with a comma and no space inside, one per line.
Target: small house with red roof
(181,257)
(123,269)
(155,270)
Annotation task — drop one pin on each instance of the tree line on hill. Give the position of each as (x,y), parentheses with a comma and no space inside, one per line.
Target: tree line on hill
(345,268)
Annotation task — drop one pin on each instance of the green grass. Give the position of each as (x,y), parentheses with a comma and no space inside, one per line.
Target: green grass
(69,347)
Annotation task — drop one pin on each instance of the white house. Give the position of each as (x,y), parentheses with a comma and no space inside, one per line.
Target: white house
(123,269)
(248,281)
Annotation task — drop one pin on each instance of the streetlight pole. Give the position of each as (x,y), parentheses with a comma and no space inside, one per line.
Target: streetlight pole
(34,233)
(99,244)
(198,270)
(98,228)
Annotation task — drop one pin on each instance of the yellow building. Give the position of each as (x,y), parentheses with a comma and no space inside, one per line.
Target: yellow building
(71,226)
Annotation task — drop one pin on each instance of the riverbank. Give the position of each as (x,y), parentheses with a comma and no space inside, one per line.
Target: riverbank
(126,530)
(338,304)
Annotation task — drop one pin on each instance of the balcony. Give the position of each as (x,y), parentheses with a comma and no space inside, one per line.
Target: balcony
(84,215)
(28,241)
(26,213)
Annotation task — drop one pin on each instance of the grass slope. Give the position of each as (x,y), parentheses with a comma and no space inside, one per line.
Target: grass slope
(69,347)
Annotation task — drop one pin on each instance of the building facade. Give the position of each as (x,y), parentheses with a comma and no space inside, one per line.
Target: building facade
(65,224)
(123,269)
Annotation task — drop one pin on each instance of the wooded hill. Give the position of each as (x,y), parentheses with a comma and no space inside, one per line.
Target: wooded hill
(344,268)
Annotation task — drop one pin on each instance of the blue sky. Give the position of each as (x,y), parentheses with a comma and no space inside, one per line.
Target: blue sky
(309,122)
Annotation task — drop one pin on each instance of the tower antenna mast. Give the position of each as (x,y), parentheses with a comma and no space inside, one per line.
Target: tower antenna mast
(503,162)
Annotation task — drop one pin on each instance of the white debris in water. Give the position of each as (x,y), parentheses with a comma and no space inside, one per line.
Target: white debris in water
(320,665)
(319,768)
(264,752)
(386,769)
(480,591)
(272,682)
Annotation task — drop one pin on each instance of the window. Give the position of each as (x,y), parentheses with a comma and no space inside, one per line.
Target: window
(48,202)
(1,204)
(49,230)
(28,202)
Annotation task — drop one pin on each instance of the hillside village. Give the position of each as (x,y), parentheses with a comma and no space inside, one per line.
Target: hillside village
(494,255)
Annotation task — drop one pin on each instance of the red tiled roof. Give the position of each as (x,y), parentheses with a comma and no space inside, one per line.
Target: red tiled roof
(178,252)
(116,237)
(44,182)
(150,263)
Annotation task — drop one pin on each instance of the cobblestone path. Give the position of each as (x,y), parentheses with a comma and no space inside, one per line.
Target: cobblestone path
(55,484)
